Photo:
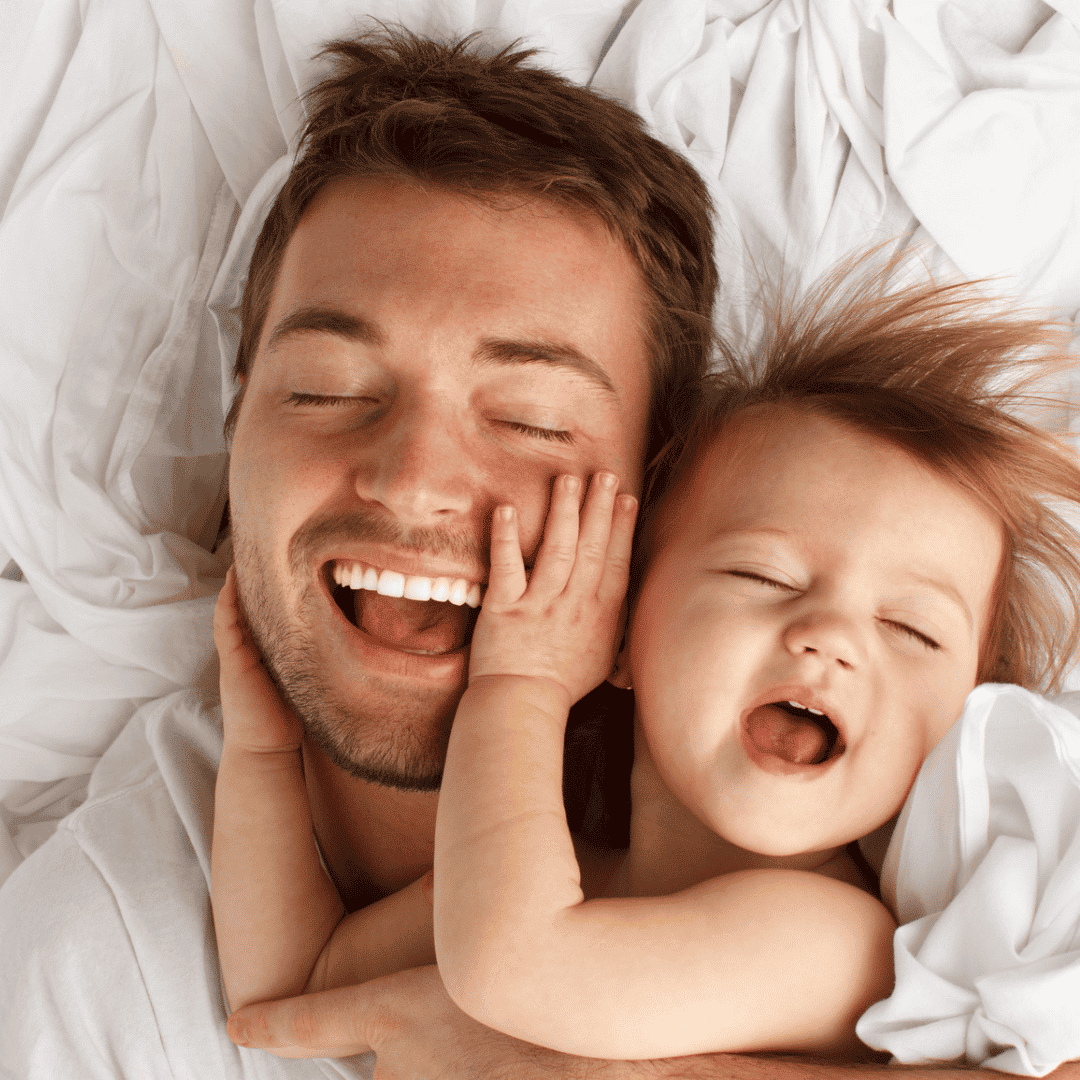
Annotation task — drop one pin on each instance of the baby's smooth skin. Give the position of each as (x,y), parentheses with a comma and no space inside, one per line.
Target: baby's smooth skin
(799,561)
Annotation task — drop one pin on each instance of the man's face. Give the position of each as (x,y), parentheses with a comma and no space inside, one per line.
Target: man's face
(425,358)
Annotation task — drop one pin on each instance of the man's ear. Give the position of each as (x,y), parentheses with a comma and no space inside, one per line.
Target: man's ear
(620,677)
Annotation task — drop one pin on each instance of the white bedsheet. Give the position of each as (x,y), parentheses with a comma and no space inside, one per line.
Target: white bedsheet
(134,133)
(984,873)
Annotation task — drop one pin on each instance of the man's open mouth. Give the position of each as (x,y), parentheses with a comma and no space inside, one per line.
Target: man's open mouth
(794,733)
(426,616)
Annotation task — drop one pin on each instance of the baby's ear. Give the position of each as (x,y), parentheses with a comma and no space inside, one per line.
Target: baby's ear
(620,677)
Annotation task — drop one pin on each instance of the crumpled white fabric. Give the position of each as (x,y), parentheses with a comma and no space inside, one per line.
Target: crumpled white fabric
(983,873)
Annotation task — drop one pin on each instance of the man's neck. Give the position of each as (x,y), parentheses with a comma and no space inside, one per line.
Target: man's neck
(375,840)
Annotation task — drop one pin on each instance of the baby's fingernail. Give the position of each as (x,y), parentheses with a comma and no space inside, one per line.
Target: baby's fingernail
(607,480)
(572,483)
(506,513)
(627,502)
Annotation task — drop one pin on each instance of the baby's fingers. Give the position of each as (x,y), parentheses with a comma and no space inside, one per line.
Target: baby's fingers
(595,535)
(230,634)
(252,709)
(555,559)
(506,581)
(616,574)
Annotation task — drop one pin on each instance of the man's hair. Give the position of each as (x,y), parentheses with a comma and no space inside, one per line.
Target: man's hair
(488,126)
(938,372)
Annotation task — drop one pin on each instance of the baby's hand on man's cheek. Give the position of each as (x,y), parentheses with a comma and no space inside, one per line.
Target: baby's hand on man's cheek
(255,716)
(562,622)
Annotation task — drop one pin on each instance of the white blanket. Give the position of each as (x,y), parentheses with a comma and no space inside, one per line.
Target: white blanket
(984,874)
(135,132)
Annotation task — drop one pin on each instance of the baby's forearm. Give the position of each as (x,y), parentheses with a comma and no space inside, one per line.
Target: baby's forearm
(388,936)
(504,858)
(274,906)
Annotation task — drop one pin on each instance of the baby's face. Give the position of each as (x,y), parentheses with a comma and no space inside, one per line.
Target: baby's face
(803,561)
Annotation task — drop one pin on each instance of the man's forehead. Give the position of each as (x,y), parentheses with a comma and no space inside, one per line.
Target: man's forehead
(317,319)
(371,201)
(362,239)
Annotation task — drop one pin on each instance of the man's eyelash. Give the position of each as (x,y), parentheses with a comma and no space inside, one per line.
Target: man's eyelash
(318,399)
(929,642)
(551,434)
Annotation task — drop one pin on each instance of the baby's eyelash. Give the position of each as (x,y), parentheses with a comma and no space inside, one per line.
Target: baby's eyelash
(758,577)
(929,642)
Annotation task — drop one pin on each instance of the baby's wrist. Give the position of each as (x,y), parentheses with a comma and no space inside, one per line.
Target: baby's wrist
(260,759)
(541,692)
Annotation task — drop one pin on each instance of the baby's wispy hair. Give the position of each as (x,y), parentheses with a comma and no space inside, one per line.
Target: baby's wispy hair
(946,374)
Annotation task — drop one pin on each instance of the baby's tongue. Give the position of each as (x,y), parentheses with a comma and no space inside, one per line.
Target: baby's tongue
(418,625)
(792,738)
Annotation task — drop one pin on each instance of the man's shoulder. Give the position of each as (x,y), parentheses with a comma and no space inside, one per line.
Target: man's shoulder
(108,964)
(136,853)
(75,969)
(149,805)
(105,929)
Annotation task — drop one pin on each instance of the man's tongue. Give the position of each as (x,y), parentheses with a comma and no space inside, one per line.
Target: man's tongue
(417,625)
(792,738)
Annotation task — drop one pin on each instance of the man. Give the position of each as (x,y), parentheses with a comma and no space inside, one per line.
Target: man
(446,308)
(476,277)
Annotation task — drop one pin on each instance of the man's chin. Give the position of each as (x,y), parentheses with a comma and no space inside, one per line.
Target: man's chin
(385,766)
(377,714)
(396,774)
(395,738)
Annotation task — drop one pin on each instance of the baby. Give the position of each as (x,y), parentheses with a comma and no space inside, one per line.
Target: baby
(848,539)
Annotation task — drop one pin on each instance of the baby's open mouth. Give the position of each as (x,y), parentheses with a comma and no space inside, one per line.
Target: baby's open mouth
(417,615)
(794,733)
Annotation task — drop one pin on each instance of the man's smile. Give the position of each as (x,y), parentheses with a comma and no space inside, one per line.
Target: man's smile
(356,576)
(387,619)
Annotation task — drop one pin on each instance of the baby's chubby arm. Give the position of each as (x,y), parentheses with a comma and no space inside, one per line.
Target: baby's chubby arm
(281,927)
(756,960)
(504,857)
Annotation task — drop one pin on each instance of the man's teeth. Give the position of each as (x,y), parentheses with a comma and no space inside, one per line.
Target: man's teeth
(798,705)
(456,591)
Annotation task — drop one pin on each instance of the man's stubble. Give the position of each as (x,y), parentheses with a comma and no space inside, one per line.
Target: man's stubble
(382,736)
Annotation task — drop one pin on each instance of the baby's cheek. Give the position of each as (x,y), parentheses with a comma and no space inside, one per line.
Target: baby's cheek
(945,711)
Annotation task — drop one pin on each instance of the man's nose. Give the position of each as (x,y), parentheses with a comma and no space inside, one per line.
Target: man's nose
(830,635)
(420,468)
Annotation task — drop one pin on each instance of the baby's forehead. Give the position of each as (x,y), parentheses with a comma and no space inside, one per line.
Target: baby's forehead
(785,436)
(767,459)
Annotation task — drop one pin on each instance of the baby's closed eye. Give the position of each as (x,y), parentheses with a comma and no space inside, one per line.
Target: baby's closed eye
(911,632)
(751,575)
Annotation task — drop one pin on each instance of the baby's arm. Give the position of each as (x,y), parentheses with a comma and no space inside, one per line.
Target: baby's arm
(758,960)
(274,906)
(277,915)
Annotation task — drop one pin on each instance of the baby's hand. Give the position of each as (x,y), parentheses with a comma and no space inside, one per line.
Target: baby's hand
(254,715)
(562,623)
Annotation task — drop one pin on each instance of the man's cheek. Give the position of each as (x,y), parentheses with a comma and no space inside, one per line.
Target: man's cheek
(532,515)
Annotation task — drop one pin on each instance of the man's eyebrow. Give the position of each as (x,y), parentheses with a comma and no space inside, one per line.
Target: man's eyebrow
(314,318)
(508,351)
